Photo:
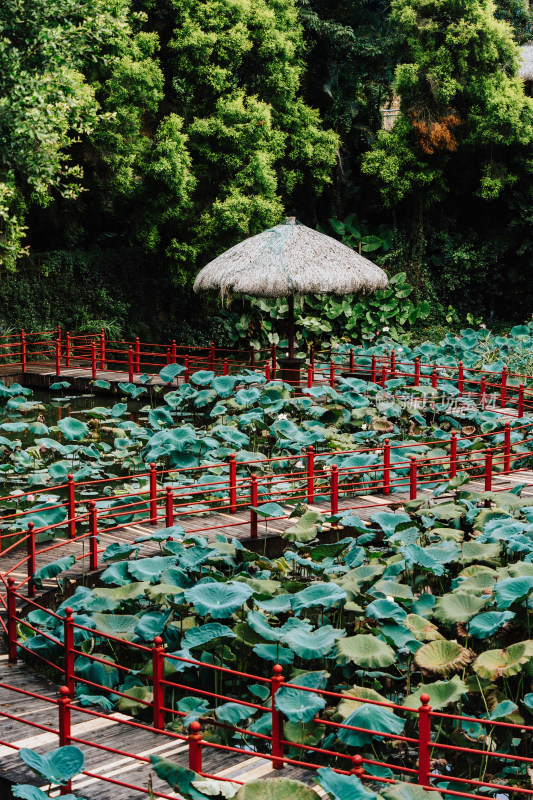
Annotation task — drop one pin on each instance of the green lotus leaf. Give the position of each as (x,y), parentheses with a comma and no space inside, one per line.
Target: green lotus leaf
(372,718)
(122,625)
(259,624)
(224,385)
(275,653)
(138,698)
(233,713)
(301,706)
(276,605)
(214,788)
(312,644)
(388,522)
(493,664)
(197,637)
(118,551)
(324,595)
(150,569)
(343,787)
(306,529)
(28,792)
(217,599)
(365,650)
(485,625)
(442,657)
(269,510)
(360,694)
(386,609)
(52,569)
(247,397)
(458,607)
(480,551)
(178,777)
(151,625)
(310,734)
(171,371)
(392,589)
(58,766)
(119,594)
(276,789)
(512,590)
(421,628)
(105,675)
(441,693)
(73,429)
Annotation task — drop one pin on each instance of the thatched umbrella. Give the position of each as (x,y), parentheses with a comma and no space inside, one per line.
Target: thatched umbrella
(290,259)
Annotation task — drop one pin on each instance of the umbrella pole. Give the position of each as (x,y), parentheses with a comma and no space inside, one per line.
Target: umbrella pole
(290,325)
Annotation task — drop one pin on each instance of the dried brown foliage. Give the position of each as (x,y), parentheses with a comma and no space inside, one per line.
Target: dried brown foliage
(435,134)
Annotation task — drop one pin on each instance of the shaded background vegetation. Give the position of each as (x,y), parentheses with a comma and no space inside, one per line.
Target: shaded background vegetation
(139,139)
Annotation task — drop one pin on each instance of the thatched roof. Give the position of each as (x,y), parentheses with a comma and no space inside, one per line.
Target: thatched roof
(290,259)
(526,70)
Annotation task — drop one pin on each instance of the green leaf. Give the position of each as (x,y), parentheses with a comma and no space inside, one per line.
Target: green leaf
(73,429)
(52,569)
(137,700)
(458,607)
(324,595)
(343,787)
(372,718)
(485,625)
(217,599)
(58,766)
(441,693)
(312,644)
(178,777)
(493,664)
(442,657)
(171,371)
(276,789)
(365,650)
(301,706)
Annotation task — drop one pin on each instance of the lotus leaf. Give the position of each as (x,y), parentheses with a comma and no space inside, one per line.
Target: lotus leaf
(441,693)
(371,718)
(301,706)
(442,657)
(150,569)
(313,644)
(485,625)
(233,713)
(28,792)
(171,371)
(493,664)
(386,609)
(421,628)
(458,607)
(73,429)
(218,600)
(409,791)
(275,653)
(138,698)
(360,694)
(52,569)
(365,650)
(325,595)
(122,626)
(58,766)
(511,590)
(276,789)
(343,787)
(197,637)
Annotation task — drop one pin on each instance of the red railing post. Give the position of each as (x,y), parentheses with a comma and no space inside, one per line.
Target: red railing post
(424,741)
(482,391)
(169,507)
(352,360)
(488,471)
(434,378)
(23,350)
(102,349)
(312,355)
(71,506)
(267,371)
(186,373)
(232,484)
(137,355)
(332,374)
(65,732)
(58,357)
(373,370)
(357,767)
(453,455)
(383,376)
(30,555)
(460,377)
(226,369)
(130,364)
(153,494)
(386,467)
(212,357)
(195,747)
(158,659)
(254,496)
(310,474)
(173,356)
(93,540)
(67,350)
(417,371)
(521,400)
(507,449)
(412,478)
(93,361)
(503,389)
(68,645)
(168,356)
(58,335)
(274,361)
(277,719)
(334,489)
(310,376)
(393,364)
(11,621)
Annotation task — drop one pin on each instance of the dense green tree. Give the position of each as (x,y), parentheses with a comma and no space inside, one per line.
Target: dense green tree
(463,142)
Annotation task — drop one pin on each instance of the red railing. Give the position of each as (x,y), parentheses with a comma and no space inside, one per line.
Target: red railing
(422,743)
